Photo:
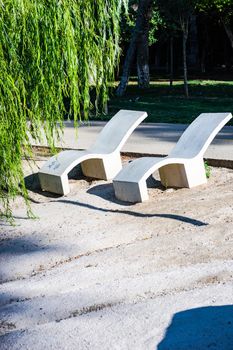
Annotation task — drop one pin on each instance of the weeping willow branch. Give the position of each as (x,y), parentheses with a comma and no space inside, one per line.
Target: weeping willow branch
(53,55)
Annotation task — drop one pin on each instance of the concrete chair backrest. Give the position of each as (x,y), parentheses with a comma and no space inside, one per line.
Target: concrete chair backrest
(117,130)
(199,134)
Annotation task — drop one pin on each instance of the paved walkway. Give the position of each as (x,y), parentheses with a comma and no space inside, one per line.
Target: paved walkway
(156,139)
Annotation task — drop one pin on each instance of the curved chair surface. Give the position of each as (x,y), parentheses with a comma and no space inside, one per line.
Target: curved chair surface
(106,149)
(141,168)
(115,133)
(187,155)
(199,134)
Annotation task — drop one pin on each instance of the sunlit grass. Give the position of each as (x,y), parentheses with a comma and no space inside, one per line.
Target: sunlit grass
(167,104)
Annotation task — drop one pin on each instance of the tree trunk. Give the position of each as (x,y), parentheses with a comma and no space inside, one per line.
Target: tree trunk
(143,57)
(228,31)
(203,59)
(192,56)
(185,37)
(204,48)
(171,61)
(142,18)
(127,65)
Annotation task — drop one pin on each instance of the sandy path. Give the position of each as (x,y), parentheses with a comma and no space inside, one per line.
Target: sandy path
(95,273)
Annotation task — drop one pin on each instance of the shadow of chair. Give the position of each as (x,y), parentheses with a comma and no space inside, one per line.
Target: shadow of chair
(203,328)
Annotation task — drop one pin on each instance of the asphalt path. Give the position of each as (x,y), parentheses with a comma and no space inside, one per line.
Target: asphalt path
(148,138)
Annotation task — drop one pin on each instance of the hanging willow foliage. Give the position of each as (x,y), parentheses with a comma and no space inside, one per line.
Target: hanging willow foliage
(53,54)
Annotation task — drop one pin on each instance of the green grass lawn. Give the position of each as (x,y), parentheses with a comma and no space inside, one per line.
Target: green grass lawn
(165,104)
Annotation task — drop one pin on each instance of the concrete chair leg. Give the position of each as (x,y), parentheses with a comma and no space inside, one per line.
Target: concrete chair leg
(106,168)
(189,174)
(54,183)
(132,192)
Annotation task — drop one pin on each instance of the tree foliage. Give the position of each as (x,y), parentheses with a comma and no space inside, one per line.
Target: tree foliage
(53,54)
(128,21)
(220,5)
(223,10)
(179,12)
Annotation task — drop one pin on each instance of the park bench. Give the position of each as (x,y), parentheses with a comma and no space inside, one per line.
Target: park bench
(183,167)
(101,161)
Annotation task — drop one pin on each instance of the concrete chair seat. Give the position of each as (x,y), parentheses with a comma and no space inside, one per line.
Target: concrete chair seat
(183,167)
(102,160)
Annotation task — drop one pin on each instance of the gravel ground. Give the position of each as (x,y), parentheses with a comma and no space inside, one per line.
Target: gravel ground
(94,273)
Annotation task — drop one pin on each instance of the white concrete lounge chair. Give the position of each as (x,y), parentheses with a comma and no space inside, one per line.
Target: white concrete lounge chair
(183,167)
(102,160)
